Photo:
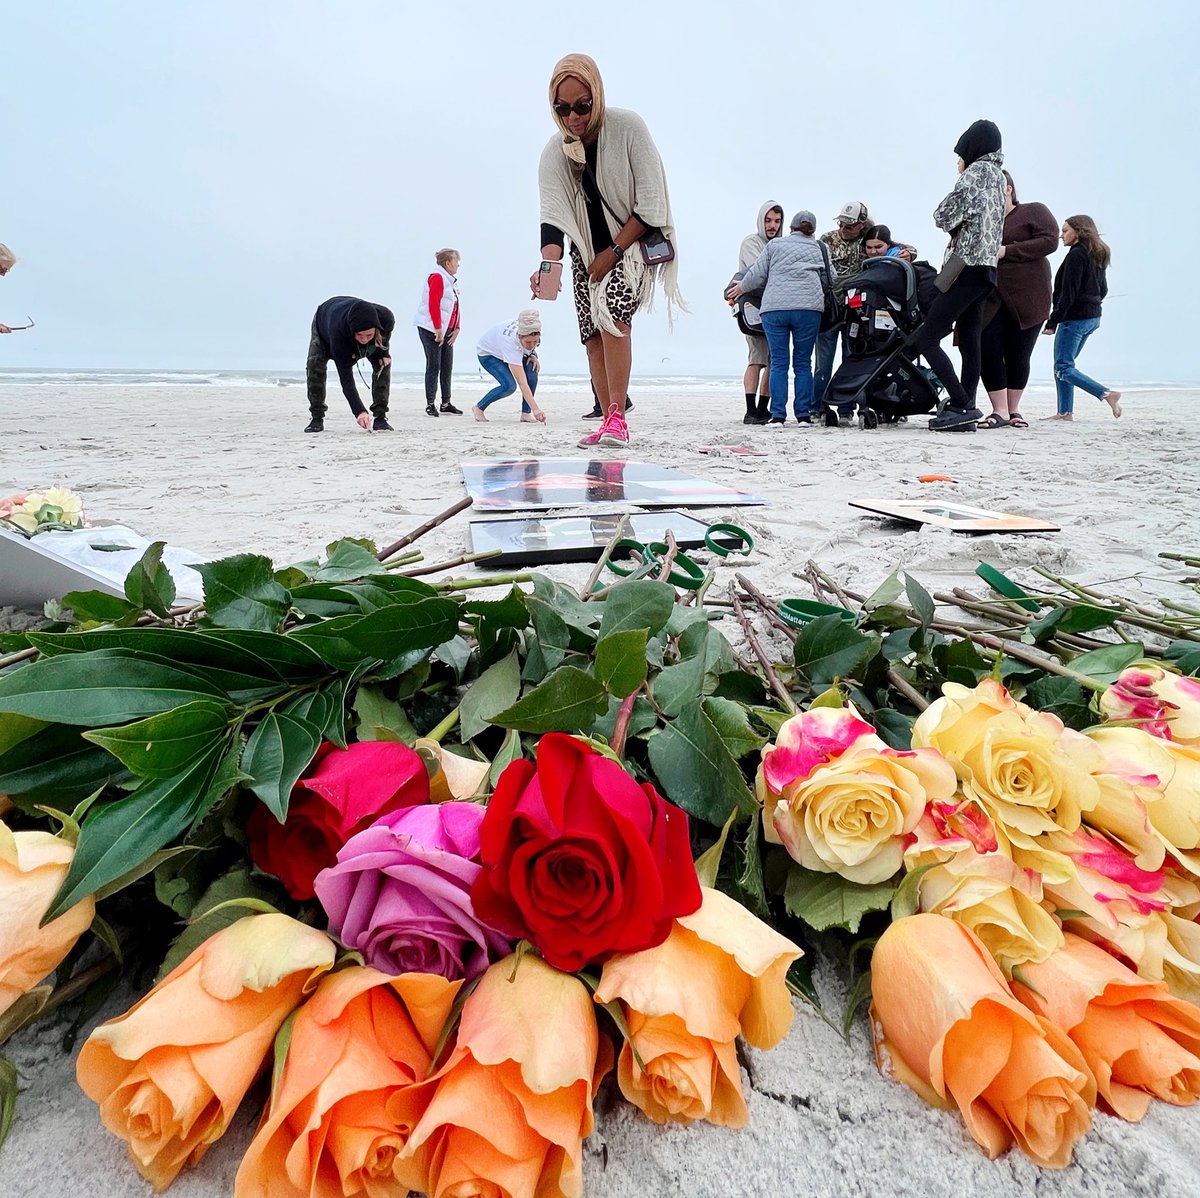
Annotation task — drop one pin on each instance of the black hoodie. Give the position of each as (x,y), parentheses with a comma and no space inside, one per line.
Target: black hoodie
(336,322)
(983,137)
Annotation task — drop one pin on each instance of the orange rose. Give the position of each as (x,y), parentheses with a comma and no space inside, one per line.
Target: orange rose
(171,1071)
(32,867)
(331,1128)
(951,1029)
(1138,1041)
(508,1111)
(719,974)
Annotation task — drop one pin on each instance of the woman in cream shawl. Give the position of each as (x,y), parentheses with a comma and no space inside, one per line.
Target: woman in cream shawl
(602,188)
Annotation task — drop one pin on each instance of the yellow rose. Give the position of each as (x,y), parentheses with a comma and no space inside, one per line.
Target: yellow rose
(851,814)
(1026,769)
(68,503)
(32,868)
(1167,703)
(997,900)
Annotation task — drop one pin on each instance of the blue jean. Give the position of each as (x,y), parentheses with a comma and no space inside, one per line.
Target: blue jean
(800,327)
(506,383)
(827,344)
(1069,339)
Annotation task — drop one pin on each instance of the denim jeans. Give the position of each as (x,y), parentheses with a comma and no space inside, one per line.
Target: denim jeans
(827,344)
(800,327)
(506,383)
(1069,339)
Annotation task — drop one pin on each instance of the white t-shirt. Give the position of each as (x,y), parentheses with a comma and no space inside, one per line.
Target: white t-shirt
(501,341)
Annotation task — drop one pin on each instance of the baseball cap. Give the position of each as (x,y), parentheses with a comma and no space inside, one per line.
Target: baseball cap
(852,213)
(803,217)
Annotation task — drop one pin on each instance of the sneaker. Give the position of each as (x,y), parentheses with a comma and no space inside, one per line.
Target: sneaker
(590,440)
(315,425)
(804,421)
(430,410)
(956,419)
(614,431)
(380,425)
(776,422)
(595,414)
(450,409)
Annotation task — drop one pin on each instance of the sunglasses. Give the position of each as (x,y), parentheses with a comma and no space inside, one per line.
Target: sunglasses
(579,108)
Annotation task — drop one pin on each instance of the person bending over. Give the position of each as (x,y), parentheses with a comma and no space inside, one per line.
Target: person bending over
(508,352)
(346,329)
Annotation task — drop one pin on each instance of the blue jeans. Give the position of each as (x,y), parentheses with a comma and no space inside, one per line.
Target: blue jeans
(827,344)
(1069,340)
(800,326)
(506,383)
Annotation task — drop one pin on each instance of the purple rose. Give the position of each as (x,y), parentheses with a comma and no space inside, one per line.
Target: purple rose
(400,893)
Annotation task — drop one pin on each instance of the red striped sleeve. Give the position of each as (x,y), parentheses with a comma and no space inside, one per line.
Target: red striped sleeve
(435,300)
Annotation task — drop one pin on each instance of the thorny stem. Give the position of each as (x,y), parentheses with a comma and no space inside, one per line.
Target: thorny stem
(471,584)
(422,529)
(594,577)
(910,692)
(621,727)
(450,565)
(768,669)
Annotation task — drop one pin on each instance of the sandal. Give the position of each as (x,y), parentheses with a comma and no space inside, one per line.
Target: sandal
(1016,420)
(995,420)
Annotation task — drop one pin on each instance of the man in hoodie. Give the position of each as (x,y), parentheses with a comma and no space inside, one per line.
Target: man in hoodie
(347,329)
(758,369)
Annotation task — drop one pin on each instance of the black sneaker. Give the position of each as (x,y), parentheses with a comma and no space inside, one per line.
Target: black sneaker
(315,425)
(430,410)
(804,421)
(381,425)
(450,409)
(595,414)
(750,418)
(956,420)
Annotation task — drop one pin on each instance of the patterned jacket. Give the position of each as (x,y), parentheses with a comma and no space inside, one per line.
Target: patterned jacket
(973,212)
(847,257)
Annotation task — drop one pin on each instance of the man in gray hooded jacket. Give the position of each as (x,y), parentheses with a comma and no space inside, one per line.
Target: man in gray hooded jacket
(757,379)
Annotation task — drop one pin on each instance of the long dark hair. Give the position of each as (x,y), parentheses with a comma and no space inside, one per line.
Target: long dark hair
(1012,187)
(878,233)
(1090,239)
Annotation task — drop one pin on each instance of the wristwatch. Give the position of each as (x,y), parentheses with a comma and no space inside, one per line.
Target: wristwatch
(618,251)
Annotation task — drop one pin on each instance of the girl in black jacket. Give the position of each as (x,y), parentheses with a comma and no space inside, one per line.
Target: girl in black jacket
(1079,290)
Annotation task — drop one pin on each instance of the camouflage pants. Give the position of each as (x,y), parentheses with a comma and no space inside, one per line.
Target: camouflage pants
(317,367)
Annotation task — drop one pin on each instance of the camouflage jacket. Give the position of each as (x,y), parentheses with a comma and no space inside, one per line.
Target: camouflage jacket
(847,257)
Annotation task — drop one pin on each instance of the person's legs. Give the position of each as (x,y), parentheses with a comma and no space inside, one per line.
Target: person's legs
(1083,329)
(827,343)
(531,377)
(315,368)
(805,327)
(1068,339)
(618,362)
(1018,353)
(971,286)
(381,389)
(500,371)
(992,363)
(776,326)
(969,326)
(433,353)
(445,377)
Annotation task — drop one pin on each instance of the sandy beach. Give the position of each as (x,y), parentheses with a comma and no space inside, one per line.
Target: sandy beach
(223,470)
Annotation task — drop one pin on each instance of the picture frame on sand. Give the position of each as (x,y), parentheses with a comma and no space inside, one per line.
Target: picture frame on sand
(535,484)
(958,517)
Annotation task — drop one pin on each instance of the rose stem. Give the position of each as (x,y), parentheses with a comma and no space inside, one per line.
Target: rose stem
(768,669)
(594,577)
(405,559)
(1142,617)
(471,584)
(458,561)
(445,726)
(910,692)
(768,606)
(422,529)
(621,727)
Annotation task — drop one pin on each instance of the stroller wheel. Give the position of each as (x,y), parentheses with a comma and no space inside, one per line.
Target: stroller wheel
(868,419)
(831,418)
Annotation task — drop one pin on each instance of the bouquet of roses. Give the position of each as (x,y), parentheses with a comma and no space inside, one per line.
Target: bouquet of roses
(31,512)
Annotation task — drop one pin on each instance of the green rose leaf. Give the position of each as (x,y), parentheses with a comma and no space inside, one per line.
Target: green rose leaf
(277,753)
(509,612)
(163,744)
(328,640)
(118,836)
(58,761)
(99,689)
(679,686)
(637,604)
(621,661)
(828,648)
(149,584)
(381,718)
(696,770)
(885,594)
(346,561)
(732,722)
(241,592)
(1184,656)
(99,606)
(14,729)
(510,750)
(1063,697)
(921,600)
(403,627)
(568,701)
(642,718)
(894,727)
(1083,618)
(1105,665)
(825,901)
(495,690)
(324,600)
(285,657)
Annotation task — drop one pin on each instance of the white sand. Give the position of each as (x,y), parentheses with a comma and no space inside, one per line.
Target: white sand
(228,470)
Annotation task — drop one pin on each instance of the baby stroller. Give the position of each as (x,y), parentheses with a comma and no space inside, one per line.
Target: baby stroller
(877,372)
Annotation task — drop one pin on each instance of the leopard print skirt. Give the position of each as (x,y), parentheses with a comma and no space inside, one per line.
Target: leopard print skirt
(622,301)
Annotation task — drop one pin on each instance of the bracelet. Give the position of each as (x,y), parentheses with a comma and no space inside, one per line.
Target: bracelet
(732,530)
(644,552)
(689,576)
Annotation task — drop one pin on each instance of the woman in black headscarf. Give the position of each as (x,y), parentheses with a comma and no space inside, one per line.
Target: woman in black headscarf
(973,215)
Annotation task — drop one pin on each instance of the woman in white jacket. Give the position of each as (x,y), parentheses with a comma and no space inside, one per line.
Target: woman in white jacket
(438,322)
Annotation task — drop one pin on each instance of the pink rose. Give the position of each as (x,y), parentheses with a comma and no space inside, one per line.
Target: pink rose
(1167,704)
(400,894)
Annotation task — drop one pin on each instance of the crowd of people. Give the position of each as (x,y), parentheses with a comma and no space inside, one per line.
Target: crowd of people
(993,291)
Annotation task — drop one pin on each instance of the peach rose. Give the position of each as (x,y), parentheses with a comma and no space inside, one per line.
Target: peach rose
(331,1128)
(1159,946)
(1000,902)
(720,973)
(1138,1041)
(508,1111)
(1167,703)
(32,868)
(840,800)
(170,1073)
(1163,779)
(1028,771)
(947,1025)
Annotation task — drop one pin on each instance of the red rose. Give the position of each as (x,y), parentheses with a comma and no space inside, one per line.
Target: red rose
(580,859)
(348,791)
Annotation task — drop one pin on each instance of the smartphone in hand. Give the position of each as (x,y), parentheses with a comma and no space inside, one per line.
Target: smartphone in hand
(546,282)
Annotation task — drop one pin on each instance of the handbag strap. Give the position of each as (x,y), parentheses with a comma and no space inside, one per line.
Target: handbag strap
(591,174)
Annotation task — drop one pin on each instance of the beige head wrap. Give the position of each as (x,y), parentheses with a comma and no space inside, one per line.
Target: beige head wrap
(583,68)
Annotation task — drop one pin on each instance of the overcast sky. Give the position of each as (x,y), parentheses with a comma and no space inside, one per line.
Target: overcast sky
(185,182)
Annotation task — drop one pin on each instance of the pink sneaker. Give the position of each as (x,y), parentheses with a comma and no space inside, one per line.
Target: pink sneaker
(615,431)
(592,439)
